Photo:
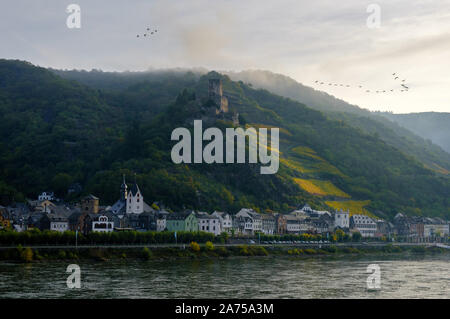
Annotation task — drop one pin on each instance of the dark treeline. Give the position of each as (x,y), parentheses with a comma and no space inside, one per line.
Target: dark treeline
(46,237)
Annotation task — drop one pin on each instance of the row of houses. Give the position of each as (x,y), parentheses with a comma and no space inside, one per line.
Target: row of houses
(131,212)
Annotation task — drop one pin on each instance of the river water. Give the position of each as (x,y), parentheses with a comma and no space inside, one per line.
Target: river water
(265,277)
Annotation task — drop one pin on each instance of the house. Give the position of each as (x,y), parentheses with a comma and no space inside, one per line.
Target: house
(161,217)
(250,218)
(269,224)
(5,221)
(243,225)
(322,223)
(208,223)
(75,220)
(101,223)
(435,227)
(46,196)
(226,221)
(384,228)
(306,209)
(182,221)
(281,224)
(300,213)
(365,225)
(41,206)
(297,224)
(34,221)
(146,221)
(342,219)
(55,222)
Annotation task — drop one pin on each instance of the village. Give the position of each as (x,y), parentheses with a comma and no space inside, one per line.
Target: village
(131,213)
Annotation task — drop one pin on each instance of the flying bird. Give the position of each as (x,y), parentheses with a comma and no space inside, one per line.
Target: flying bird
(396,78)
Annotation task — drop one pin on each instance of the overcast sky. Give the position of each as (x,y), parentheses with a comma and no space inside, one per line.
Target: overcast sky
(324,40)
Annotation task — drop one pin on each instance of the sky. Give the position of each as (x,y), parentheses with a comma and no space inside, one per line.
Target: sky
(322,40)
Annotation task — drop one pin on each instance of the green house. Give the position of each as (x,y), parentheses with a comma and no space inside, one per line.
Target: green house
(184,221)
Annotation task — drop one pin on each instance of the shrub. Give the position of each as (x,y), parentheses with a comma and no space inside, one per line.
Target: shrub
(331,249)
(310,251)
(26,255)
(222,251)
(243,250)
(194,246)
(146,253)
(418,249)
(62,254)
(260,251)
(209,245)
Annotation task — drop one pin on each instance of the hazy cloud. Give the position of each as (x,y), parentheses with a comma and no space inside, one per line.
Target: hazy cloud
(324,39)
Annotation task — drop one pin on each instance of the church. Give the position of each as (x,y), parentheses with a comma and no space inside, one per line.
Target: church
(130,202)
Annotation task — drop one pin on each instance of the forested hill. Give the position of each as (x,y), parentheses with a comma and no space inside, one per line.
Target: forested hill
(56,132)
(401,132)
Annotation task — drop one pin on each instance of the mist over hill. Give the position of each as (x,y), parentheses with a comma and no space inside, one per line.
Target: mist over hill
(401,133)
(433,126)
(62,127)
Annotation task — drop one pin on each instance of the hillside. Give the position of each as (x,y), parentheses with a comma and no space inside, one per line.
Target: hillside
(58,131)
(133,85)
(433,126)
(410,140)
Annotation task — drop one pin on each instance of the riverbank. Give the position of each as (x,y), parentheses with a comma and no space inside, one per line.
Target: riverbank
(30,254)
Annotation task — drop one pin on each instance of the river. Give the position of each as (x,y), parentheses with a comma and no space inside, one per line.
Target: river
(265,277)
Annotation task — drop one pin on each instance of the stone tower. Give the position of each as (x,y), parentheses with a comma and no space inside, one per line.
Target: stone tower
(215,93)
(89,204)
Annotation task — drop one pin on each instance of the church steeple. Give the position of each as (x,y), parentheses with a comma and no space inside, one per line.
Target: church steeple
(135,200)
(123,190)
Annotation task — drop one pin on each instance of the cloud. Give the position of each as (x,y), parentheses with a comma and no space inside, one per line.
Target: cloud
(306,40)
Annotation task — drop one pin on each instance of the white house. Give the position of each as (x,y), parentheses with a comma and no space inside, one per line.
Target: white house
(58,223)
(208,223)
(435,227)
(342,219)
(46,196)
(365,225)
(102,224)
(226,221)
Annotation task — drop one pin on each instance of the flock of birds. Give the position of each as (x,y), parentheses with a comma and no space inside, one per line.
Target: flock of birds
(403,87)
(149,33)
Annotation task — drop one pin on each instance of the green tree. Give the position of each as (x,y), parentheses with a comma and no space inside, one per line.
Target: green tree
(356,236)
